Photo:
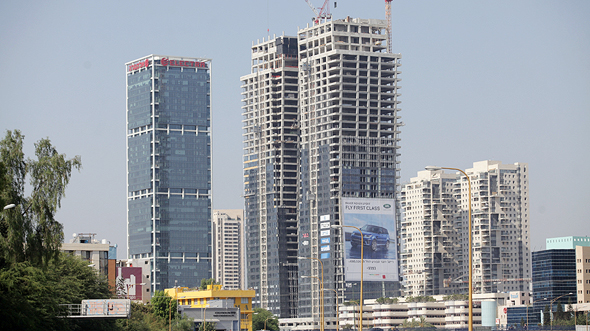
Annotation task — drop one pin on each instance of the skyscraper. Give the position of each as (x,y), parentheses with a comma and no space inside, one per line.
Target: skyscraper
(435,230)
(271,136)
(349,126)
(320,118)
(169,168)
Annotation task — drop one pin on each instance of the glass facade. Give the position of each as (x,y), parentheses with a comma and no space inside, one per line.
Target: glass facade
(169,168)
(554,276)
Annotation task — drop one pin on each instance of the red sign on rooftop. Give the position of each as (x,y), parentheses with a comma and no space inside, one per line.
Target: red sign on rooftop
(182,63)
(139,65)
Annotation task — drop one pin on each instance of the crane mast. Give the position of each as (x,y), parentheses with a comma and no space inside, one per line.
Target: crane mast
(388,18)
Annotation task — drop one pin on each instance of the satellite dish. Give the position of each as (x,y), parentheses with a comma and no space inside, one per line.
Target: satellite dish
(74,235)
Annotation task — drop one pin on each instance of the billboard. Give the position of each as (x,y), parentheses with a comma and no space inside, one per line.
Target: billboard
(118,308)
(376,220)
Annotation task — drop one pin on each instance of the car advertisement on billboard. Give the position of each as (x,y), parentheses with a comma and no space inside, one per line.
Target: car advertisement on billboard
(375,218)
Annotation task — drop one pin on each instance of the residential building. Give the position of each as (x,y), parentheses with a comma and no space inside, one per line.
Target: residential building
(435,230)
(169,168)
(100,255)
(583,273)
(349,125)
(229,265)
(320,118)
(430,231)
(229,309)
(271,136)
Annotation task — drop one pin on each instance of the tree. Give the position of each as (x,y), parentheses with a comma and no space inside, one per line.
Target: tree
(208,281)
(207,326)
(417,323)
(559,314)
(164,306)
(546,316)
(29,230)
(30,296)
(260,315)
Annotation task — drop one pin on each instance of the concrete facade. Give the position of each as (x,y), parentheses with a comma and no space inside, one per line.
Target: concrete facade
(349,124)
(229,266)
(320,119)
(271,136)
(583,273)
(100,255)
(435,230)
(431,235)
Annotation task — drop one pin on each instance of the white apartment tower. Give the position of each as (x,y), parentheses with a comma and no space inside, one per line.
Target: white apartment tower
(229,264)
(500,230)
(431,234)
(349,124)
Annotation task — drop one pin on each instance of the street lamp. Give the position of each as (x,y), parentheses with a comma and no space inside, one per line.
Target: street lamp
(321,289)
(170,313)
(470,323)
(337,308)
(552,301)
(321,300)
(527,310)
(362,269)
(267,320)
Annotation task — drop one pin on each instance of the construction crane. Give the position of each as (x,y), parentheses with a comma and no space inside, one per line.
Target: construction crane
(388,18)
(322,14)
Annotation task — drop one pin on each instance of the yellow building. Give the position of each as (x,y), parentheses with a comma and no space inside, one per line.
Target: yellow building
(216,305)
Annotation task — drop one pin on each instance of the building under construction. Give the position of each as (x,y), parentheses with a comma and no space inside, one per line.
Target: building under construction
(320,119)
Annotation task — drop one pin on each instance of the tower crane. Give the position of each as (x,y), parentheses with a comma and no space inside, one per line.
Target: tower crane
(322,14)
(388,18)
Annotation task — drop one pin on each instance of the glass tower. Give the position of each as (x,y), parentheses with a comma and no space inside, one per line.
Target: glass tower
(169,168)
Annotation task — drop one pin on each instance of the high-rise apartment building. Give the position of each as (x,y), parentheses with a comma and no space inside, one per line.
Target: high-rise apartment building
(435,230)
(320,117)
(229,265)
(349,126)
(271,136)
(430,231)
(169,168)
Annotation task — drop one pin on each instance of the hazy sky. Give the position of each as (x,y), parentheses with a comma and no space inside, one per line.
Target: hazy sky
(499,80)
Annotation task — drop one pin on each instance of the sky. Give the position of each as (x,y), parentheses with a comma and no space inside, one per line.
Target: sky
(481,80)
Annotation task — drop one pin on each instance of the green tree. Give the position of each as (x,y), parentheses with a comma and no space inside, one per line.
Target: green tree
(207,281)
(260,315)
(559,314)
(207,326)
(29,230)
(164,306)
(30,296)
(417,323)
(546,316)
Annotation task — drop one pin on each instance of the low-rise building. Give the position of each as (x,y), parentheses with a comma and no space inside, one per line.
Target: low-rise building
(100,255)
(231,310)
